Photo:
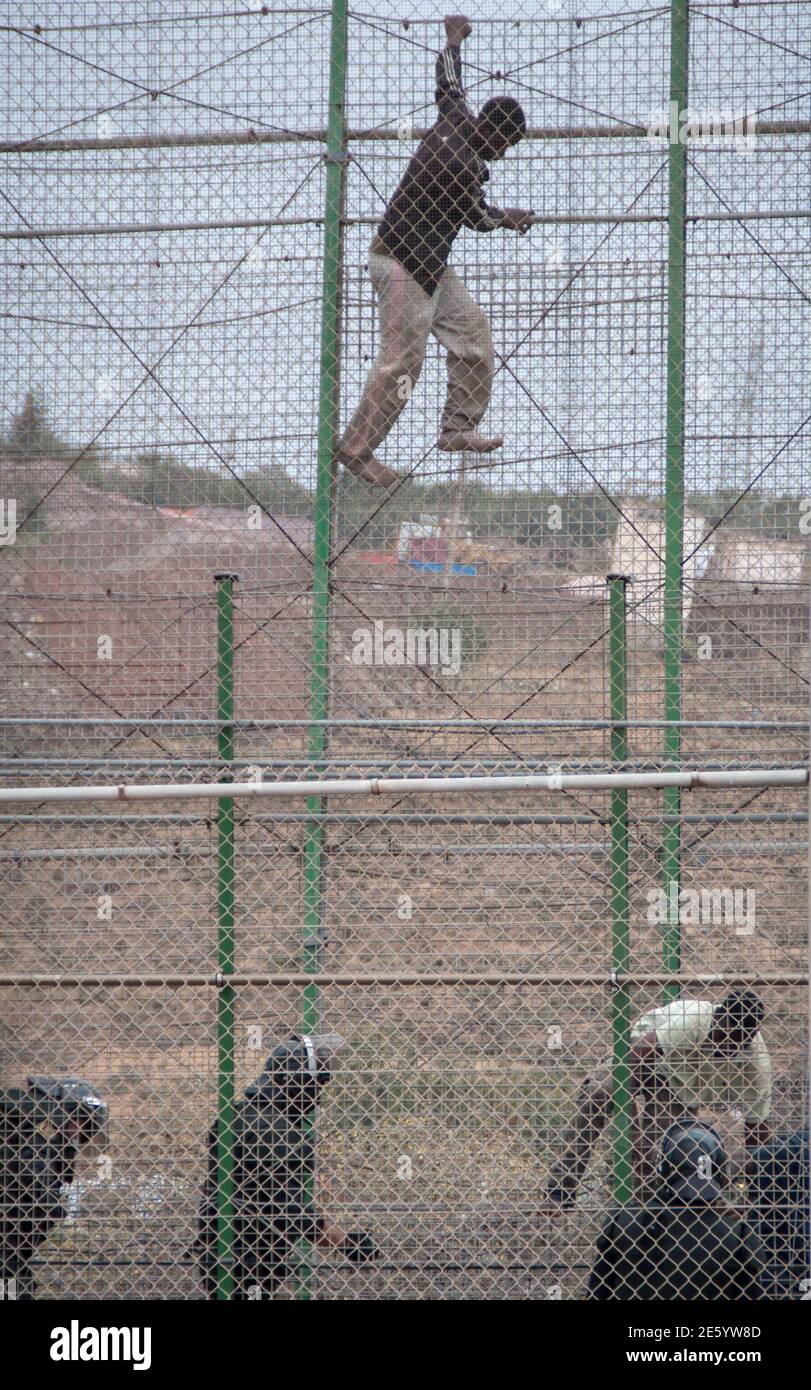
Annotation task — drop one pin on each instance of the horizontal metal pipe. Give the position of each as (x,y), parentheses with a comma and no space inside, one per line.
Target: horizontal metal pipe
(269,766)
(409,818)
(179,851)
(246,223)
(524,847)
(463,724)
(409,786)
(171,979)
(139,228)
(318,135)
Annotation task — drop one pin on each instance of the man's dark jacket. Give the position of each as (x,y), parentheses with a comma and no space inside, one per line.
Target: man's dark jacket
(442,189)
(272,1178)
(33,1172)
(696,1251)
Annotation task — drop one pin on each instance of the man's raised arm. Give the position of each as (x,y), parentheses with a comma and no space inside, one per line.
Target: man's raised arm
(450,95)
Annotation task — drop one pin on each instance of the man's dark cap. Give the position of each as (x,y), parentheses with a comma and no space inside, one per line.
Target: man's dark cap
(692,1161)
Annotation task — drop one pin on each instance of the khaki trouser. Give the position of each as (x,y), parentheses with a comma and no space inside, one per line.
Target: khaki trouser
(594,1108)
(407,316)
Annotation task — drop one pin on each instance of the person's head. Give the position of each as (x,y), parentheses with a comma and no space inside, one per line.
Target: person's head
(72,1107)
(296,1072)
(501,123)
(692,1162)
(736,1020)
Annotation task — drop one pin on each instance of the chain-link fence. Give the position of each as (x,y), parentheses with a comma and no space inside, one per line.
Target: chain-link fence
(243,542)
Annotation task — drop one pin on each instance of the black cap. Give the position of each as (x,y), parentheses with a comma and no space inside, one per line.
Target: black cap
(692,1161)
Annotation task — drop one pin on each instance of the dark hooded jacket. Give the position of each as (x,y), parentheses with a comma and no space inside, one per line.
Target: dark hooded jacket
(33,1172)
(681,1251)
(273,1174)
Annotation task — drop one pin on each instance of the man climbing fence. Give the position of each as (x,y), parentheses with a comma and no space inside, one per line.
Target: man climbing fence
(418,294)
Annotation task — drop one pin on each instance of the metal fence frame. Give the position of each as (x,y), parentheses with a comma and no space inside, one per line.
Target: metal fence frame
(227,977)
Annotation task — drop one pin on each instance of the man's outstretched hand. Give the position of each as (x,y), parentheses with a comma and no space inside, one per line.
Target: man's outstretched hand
(457,27)
(518,220)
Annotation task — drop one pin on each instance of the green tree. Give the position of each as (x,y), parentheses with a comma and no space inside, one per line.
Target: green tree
(277,490)
(30,436)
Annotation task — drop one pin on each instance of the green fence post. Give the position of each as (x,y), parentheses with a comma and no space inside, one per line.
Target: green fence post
(225,942)
(674,478)
(329,378)
(620,1011)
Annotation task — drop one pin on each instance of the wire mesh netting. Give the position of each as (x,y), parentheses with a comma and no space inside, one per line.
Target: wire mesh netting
(251,534)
